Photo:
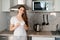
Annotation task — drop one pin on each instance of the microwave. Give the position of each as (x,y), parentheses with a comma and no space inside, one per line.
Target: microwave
(39,5)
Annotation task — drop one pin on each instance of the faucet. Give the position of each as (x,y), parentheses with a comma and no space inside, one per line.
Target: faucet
(57,27)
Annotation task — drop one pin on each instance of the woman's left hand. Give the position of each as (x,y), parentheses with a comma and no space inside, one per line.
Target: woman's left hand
(26,27)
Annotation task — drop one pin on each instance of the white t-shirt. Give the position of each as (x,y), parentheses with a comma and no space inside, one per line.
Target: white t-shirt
(19,31)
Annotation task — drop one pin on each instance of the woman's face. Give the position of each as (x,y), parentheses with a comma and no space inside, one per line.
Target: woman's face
(21,10)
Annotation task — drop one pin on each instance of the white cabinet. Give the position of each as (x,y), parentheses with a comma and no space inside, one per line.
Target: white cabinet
(10,38)
(43,38)
(5,5)
(16,2)
(57,5)
(29,3)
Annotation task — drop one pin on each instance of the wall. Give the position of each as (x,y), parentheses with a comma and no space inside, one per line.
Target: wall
(53,20)
(3,18)
(3,21)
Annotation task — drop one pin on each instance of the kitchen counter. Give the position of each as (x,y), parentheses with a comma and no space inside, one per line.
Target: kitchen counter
(31,33)
(39,33)
(42,34)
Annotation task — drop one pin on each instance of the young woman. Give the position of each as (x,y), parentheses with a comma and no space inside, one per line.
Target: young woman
(19,24)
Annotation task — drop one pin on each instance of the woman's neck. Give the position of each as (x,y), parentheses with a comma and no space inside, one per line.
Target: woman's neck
(19,15)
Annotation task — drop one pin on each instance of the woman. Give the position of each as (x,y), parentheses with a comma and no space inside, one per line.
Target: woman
(19,24)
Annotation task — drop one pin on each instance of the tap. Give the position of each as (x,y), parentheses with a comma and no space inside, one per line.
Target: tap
(57,27)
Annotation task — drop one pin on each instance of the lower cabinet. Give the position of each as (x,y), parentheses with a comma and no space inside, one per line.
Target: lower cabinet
(57,38)
(43,38)
(3,38)
(29,37)
(10,38)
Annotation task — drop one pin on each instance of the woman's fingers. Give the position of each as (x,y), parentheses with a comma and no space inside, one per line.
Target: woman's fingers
(17,24)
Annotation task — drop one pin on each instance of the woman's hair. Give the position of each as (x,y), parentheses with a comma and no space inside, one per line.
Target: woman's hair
(24,15)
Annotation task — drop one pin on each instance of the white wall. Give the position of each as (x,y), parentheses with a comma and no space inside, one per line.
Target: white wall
(3,19)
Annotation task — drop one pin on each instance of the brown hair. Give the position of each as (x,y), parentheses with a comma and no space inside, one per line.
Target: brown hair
(24,15)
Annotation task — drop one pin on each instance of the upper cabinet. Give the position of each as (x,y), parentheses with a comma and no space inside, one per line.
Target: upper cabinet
(57,5)
(29,4)
(17,3)
(5,5)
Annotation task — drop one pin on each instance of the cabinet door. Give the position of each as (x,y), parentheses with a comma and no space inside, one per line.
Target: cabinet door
(57,38)
(3,38)
(57,5)
(11,38)
(42,38)
(5,5)
(29,3)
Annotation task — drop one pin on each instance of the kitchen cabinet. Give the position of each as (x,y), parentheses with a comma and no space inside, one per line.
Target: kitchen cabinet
(16,2)
(57,5)
(29,3)
(57,38)
(10,37)
(43,38)
(3,38)
(5,5)
(29,37)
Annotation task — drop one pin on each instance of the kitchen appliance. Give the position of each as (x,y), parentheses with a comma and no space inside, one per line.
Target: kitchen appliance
(17,3)
(43,23)
(37,27)
(39,5)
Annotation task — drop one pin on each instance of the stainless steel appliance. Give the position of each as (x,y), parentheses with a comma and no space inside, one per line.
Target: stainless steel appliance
(39,5)
(37,27)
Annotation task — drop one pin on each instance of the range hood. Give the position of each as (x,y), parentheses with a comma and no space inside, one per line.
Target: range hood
(17,3)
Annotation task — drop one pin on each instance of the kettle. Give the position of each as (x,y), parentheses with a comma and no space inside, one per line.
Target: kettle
(37,28)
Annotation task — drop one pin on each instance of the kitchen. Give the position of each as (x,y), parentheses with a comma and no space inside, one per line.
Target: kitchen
(40,18)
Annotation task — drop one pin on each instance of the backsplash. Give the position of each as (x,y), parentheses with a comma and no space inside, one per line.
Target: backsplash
(38,18)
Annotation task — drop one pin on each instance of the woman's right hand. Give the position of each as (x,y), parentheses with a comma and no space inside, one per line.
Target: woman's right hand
(17,24)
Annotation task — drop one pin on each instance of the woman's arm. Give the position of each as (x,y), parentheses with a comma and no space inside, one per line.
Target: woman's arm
(26,27)
(13,27)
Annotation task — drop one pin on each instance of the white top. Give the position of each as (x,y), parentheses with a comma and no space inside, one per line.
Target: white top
(19,31)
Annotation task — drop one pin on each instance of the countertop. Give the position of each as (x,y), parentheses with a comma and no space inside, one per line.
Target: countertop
(32,33)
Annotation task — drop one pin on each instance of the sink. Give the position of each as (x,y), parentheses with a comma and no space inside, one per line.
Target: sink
(55,32)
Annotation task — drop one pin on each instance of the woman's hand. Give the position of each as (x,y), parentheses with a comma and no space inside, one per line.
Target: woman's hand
(17,24)
(26,27)
(13,27)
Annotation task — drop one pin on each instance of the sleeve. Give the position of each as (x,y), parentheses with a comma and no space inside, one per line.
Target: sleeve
(12,20)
